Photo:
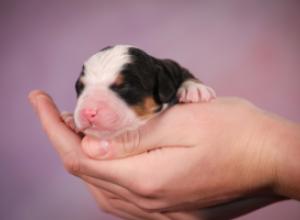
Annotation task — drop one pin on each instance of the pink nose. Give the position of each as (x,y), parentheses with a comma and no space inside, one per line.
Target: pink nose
(89,114)
(102,117)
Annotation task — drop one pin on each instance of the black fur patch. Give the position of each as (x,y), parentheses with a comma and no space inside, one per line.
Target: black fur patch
(170,76)
(147,76)
(138,78)
(79,86)
(106,48)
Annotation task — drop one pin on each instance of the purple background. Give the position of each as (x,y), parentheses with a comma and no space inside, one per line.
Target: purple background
(242,48)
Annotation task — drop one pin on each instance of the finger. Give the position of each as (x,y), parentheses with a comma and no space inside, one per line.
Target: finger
(106,203)
(102,200)
(113,188)
(146,202)
(115,171)
(118,191)
(130,208)
(108,194)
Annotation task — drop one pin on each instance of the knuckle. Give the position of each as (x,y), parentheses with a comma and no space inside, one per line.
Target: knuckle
(72,163)
(130,140)
(147,188)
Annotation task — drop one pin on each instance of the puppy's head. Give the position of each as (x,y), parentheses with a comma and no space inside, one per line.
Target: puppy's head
(121,87)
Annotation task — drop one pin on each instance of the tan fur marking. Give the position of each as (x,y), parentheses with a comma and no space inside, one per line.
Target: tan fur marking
(146,108)
(119,80)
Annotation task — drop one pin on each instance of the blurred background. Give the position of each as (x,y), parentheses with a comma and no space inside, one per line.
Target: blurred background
(241,48)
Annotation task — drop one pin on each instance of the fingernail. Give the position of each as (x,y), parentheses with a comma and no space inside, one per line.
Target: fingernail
(32,96)
(36,101)
(94,147)
(32,101)
(103,147)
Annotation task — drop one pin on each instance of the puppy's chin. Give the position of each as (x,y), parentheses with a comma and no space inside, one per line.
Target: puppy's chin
(107,134)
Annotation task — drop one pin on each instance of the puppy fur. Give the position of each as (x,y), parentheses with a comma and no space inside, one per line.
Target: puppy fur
(121,87)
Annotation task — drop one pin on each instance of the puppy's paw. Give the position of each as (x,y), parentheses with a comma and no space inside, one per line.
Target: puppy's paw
(192,91)
(68,118)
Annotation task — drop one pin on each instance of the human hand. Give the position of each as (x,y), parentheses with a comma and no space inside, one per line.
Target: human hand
(67,144)
(199,155)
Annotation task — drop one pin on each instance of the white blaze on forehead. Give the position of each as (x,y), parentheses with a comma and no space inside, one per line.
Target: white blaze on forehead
(104,66)
(100,71)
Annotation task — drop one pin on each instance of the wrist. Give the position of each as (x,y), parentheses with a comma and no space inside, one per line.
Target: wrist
(260,140)
(272,149)
(286,145)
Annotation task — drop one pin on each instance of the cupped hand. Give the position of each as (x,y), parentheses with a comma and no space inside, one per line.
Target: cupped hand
(172,175)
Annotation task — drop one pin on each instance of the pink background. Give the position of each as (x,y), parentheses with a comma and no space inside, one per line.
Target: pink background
(241,48)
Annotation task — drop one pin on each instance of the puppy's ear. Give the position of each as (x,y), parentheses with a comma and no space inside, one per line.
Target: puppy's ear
(165,87)
(169,77)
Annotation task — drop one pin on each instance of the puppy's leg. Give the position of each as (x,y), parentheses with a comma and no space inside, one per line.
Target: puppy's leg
(68,118)
(194,91)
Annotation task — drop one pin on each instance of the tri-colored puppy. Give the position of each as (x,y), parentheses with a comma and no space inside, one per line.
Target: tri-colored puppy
(121,87)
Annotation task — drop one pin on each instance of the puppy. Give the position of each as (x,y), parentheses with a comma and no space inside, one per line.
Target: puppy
(121,87)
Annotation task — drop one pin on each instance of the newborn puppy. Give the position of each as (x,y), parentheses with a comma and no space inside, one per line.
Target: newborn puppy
(121,87)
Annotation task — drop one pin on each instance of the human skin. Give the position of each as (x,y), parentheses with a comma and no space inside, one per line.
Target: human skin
(214,152)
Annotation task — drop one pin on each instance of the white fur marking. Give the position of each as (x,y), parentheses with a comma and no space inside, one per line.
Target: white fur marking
(104,66)
(192,91)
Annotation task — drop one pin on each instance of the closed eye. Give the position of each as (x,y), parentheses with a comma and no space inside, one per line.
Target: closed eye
(123,87)
(79,86)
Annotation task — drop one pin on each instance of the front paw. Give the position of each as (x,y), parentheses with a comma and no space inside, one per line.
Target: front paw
(192,91)
(68,119)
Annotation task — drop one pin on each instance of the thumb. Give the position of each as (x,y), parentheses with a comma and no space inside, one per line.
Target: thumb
(155,134)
